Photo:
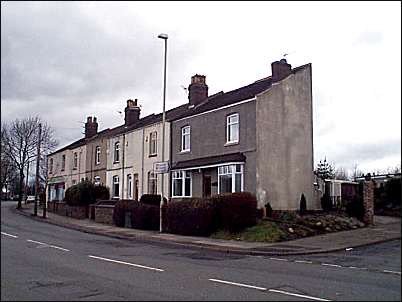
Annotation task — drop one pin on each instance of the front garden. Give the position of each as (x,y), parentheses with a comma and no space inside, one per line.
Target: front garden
(224,216)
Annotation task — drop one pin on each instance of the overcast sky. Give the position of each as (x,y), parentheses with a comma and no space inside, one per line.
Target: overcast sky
(64,61)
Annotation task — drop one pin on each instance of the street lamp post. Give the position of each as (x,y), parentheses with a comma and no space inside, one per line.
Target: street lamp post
(164,37)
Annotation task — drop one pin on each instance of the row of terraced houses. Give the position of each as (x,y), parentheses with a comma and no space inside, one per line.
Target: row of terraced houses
(257,138)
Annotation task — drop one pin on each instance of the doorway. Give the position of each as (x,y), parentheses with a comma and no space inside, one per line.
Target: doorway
(206,190)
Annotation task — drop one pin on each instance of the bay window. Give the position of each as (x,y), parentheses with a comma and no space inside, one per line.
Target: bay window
(230,178)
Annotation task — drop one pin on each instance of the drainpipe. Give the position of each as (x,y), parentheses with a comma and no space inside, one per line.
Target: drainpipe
(142,162)
(122,166)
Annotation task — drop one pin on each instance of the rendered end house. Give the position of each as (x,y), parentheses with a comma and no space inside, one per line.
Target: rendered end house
(258,138)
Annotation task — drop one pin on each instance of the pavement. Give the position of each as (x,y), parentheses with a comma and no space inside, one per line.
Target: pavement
(384,229)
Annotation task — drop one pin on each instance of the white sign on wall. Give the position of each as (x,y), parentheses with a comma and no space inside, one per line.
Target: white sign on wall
(161,167)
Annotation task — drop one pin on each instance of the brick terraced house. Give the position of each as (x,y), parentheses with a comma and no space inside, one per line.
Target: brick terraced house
(257,138)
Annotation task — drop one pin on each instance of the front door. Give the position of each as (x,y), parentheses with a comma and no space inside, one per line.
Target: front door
(206,191)
(136,187)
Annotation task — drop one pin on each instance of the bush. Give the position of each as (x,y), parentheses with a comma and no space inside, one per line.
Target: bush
(145,216)
(119,211)
(268,210)
(85,193)
(235,211)
(326,202)
(355,208)
(194,216)
(152,199)
(101,193)
(303,205)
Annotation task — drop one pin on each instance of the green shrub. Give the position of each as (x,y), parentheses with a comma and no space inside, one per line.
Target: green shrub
(145,216)
(326,202)
(152,199)
(355,208)
(194,216)
(85,193)
(119,211)
(235,211)
(303,205)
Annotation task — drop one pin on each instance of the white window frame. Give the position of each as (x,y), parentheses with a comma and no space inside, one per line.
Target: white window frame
(184,134)
(229,125)
(75,162)
(129,186)
(116,180)
(153,143)
(97,155)
(223,171)
(116,153)
(182,175)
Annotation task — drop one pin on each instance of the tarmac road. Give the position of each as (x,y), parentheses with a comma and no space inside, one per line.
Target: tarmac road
(40,261)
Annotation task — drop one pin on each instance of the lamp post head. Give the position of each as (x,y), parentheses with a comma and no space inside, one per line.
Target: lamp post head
(163,36)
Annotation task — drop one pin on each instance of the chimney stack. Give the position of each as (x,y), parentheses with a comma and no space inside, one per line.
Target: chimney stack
(197,90)
(131,113)
(91,127)
(280,70)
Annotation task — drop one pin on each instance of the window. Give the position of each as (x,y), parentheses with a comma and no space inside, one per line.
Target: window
(51,166)
(116,152)
(75,160)
(116,186)
(97,180)
(74,182)
(63,162)
(230,179)
(232,128)
(152,143)
(152,184)
(97,155)
(185,139)
(181,185)
(129,186)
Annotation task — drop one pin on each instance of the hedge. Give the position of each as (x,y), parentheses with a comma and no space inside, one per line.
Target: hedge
(119,211)
(145,216)
(235,211)
(194,216)
(152,199)
(85,193)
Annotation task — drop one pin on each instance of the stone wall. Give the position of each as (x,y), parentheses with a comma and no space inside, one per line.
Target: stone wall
(104,214)
(78,212)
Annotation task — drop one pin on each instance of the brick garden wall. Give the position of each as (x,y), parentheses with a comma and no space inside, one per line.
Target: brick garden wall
(104,214)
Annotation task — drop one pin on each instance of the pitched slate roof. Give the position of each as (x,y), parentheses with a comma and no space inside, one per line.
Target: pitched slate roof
(212,102)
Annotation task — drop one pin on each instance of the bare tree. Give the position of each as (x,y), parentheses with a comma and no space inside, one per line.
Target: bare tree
(356,172)
(8,170)
(21,138)
(341,173)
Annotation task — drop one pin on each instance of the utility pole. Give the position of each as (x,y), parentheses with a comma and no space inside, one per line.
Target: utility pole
(37,176)
(26,183)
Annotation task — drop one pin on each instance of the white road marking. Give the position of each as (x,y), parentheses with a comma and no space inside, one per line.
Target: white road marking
(328,264)
(238,284)
(279,259)
(48,245)
(303,261)
(297,295)
(14,236)
(349,249)
(127,263)
(391,272)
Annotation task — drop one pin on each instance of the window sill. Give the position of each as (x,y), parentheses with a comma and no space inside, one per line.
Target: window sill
(184,151)
(231,144)
(116,162)
(152,155)
(182,197)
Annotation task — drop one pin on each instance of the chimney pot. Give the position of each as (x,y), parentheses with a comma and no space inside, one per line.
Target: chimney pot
(280,70)
(132,112)
(197,90)
(91,127)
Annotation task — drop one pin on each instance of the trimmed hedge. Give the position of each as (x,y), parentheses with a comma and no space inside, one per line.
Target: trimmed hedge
(85,193)
(194,216)
(145,216)
(355,208)
(303,205)
(152,199)
(119,211)
(326,202)
(235,211)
